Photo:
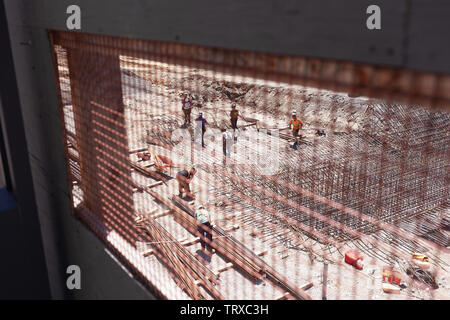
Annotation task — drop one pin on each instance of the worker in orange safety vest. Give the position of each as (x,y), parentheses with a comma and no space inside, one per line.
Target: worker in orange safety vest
(295,124)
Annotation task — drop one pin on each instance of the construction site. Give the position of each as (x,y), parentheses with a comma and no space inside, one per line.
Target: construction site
(355,207)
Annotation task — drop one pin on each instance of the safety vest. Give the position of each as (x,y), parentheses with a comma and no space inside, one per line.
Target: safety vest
(295,123)
(202,216)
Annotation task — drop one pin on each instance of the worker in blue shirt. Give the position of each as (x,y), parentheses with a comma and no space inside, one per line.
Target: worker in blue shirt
(201,125)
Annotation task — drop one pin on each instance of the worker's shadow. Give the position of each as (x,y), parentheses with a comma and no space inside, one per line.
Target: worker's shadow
(187,198)
(166,176)
(203,256)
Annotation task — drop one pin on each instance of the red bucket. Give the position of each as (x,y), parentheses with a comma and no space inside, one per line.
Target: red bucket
(354,258)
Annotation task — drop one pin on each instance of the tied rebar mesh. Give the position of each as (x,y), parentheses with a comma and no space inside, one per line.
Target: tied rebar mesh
(370,171)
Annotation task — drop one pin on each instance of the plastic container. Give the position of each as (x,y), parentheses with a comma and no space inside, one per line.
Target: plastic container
(354,258)
(391,276)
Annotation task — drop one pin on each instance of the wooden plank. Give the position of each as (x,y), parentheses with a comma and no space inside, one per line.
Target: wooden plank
(226,267)
(147,213)
(161,214)
(191,242)
(146,171)
(307,286)
(283,296)
(138,150)
(390,288)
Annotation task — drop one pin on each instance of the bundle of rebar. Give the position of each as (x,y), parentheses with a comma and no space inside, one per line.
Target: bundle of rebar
(241,253)
(153,174)
(187,269)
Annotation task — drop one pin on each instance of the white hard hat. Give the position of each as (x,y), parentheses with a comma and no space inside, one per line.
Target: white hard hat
(200,207)
(359,264)
(294,112)
(233,104)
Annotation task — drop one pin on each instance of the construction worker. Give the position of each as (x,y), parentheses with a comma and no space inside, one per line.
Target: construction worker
(187,108)
(204,228)
(184,178)
(226,142)
(295,124)
(201,125)
(234,115)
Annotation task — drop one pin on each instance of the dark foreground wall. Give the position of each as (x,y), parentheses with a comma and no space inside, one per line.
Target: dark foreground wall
(413,35)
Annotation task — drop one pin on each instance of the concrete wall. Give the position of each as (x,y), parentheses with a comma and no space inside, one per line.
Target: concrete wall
(64,239)
(413,32)
(2,175)
(413,35)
